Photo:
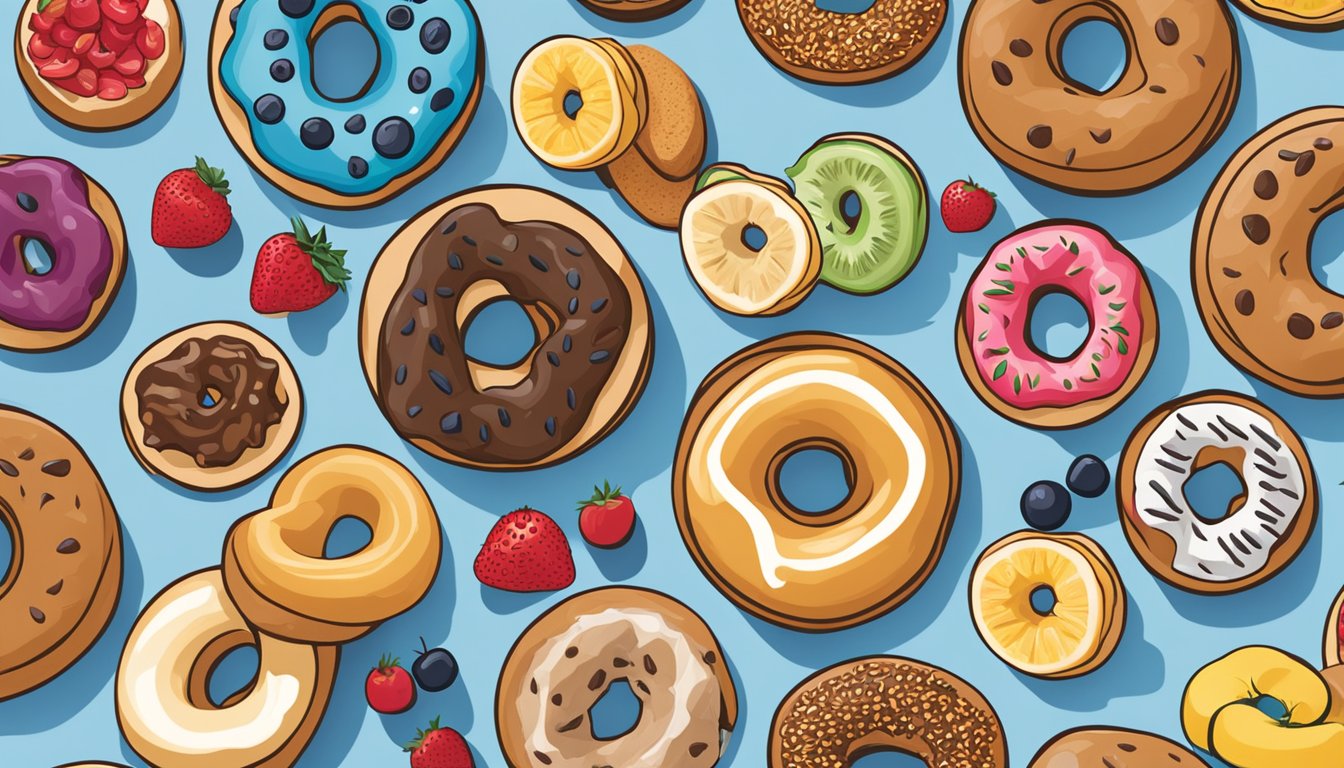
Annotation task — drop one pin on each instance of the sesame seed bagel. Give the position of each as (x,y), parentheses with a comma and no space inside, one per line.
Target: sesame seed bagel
(886,704)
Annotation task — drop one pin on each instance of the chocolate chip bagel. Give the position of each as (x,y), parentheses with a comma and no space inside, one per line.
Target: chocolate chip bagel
(65,573)
(1251,263)
(1098,747)
(576,284)
(1175,96)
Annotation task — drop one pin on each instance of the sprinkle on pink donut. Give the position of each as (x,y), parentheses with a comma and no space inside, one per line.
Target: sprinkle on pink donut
(1053,257)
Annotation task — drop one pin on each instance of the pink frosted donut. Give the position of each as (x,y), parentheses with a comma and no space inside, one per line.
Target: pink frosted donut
(994,345)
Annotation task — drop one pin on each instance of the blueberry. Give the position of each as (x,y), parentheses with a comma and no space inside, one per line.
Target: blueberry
(275,39)
(419,80)
(1088,476)
(1046,505)
(355,124)
(27,202)
(296,9)
(358,167)
(442,99)
(434,35)
(393,137)
(316,133)
(233,15)
(435,669)
(282,70)
(400,17)
(269,109)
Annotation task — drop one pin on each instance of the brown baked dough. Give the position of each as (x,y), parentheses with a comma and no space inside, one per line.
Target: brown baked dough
(886,704)
(634,10)
(1176,94)
(1251,264)
(92,113)
(65,572)
(1098,747)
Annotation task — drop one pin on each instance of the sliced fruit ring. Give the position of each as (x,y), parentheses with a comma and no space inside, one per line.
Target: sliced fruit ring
(871,208)
(578,104)
(750,246)
(1076,628)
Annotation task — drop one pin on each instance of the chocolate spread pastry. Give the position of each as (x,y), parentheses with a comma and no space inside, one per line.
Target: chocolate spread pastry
(423,378)
(212,399)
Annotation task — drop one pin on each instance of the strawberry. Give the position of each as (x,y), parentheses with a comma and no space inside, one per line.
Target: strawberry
(967,206)
(525,552)
(191,206)
(438,747)
(389,688)
(607,519)
(298,271)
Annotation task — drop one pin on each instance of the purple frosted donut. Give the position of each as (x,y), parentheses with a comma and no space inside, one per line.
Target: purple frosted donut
(61,252)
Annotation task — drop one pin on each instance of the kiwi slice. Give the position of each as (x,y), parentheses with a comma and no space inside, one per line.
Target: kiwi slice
(870,206)
(719,172)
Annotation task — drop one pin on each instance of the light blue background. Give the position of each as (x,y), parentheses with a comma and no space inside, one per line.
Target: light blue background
(764,119)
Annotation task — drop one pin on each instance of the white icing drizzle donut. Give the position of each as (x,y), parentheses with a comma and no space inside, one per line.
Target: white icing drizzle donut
(1240,544)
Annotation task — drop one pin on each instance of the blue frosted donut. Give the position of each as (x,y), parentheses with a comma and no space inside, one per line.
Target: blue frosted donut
(368,148)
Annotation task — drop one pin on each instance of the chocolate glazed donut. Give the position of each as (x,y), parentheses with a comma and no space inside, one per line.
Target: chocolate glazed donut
(1251,263)
(1176,94)
(580,291)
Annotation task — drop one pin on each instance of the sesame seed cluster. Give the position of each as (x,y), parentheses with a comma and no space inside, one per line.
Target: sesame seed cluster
(807,36)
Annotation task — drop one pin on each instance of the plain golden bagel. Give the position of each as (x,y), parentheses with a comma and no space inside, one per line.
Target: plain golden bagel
(65,575)
(1104,747)
(273,561)
(1176,94)
(255,406)
(1308,15)
(572,655)
(93,113)
(634,10)
(815,572)
(162,686)
(1251,258)
(590,312)
(23,339)
(886,704)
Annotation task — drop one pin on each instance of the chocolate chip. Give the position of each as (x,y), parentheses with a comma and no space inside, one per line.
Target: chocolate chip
(441,382)
(1304,163)
(400,17)
(1200,60)
(1300,326)
(434,35)
(27,454)
(1332,320)
(400,375)
(711,657)
(538,264)
(571,725)
(697,748)
(1102,136)
(8,469)
(269,109)
(1126,747)
(316,133)
(46,499)
(599,677)
(1323,144)
(393,137)
(550,426)
(557,699)
(1157,89)
(451,424)
(57,467)
(55,589)
(504,418)
(641,686)
(355,124)
(1068,156)
(419,80)
(37,615)
(542,757)
(1167,31)
(571,652)
(282,70)
(649,666)
(599,356)
(1040,136)
(275,39)
(442,99)
(533,685)
(1020,48)
(619,663)
(1232,273)
(1288,155)
(1245,302)
(1256,228)
(296,9)
(1266,185)
(1002,73)
(68,547)
(572,278)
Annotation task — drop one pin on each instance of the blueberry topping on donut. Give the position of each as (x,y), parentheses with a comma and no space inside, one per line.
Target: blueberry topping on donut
(414,410)
(1167,31)
(275,39)
(358,167)
(316,133)
(1040,136)
(434,35)
(451,424)
(26,201)
(400,17)
(269,109)
(393,137)
(485,434)
(355,124)
(296,9)
(282,70)
(442,99)
(573,279)
(233,15)
(1046,505)
(1088,476)
(400,377)
(418,80)
(441,382)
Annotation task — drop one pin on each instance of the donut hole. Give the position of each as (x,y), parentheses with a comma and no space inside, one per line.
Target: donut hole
(1093,55)
(572,103)
(814,479)
(845,6)
(348,536)
(235,673)
(344,54)
(754,238)
(6,552)
(886,758)
(1327,253)
(500,334)
(1271,707)
(1214,490)
(209,397)
(1057,325)
(38,257)
(1043,600)
(616,712)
